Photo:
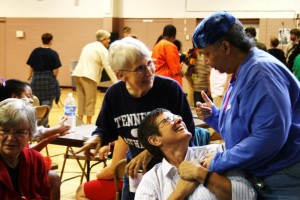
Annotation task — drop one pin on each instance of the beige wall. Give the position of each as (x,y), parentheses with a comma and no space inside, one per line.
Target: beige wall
(71,34)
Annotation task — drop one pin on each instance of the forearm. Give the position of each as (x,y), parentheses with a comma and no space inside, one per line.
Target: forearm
(52,131)
(215,183)
(176,196)
(111,74)
(30,74)
(213,119)
(55,72)
(119,153)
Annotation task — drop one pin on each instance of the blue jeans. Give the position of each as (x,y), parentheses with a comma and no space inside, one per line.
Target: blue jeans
(126,194)
(284,184)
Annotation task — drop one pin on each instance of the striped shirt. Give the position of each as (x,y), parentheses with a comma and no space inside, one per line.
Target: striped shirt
(201,75)
(160,181)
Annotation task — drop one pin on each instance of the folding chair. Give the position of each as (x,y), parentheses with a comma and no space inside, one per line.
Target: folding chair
(42,113)
(119,171)
(86,168)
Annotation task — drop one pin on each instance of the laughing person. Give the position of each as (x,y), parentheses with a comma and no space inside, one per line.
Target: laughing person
(165,135)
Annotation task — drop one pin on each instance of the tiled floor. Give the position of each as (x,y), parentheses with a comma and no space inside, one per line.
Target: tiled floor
(69,187)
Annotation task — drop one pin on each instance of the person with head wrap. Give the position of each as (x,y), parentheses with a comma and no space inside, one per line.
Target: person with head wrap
(259,118)
(87,73)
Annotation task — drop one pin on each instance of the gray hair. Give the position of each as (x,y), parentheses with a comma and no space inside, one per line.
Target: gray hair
(102,35)
(17,113)
(126,52)
(237,38)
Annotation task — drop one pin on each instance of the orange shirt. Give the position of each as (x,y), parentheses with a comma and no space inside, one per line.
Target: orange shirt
(167,60)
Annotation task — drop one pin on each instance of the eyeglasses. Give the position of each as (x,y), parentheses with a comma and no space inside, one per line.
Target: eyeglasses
(169,119)
(141,68)
(17,133)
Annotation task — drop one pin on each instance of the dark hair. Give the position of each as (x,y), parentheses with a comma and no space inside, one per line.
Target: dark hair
(178,45)
(295,31)
(250,31)
(169,31)
(149,127)
(46,38)
(126,29)
(12,86)
(159,39)
(237,38)
(274,42)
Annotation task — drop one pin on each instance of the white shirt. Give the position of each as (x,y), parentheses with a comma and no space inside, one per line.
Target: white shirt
(160,181)
(92,60)
(217,83)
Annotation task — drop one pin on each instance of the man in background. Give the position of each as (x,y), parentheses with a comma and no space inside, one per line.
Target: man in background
(294,37)
(251,32)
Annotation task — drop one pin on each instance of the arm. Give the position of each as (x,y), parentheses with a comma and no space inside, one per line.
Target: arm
(107,68)
(255,122)
(30,73)
(215,183)
(172,59)
(62,129)
(55,72)
(105,131)
(120,150)
(183,189)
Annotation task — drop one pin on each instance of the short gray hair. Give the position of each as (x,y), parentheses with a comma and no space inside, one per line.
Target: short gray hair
(16,112)
(237,37)
(102,35)
(126,52)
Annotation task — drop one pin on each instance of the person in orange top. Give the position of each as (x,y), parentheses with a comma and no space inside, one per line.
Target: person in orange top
(166,55)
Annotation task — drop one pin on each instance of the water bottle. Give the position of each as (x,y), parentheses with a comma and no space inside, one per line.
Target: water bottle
(70,111)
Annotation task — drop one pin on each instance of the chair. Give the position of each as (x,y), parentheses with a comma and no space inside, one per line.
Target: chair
(42,113)
(69,154)
(119,171)
(36,101)
(86,166)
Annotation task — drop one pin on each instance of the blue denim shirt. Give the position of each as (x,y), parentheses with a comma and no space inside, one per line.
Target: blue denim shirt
(261,122)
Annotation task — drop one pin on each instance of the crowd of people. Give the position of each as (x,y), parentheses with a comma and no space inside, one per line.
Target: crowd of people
(246,93)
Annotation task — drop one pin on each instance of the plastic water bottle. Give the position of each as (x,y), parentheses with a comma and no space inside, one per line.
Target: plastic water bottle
(70,111)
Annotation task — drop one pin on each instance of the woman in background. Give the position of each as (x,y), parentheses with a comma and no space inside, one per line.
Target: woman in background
(44,63)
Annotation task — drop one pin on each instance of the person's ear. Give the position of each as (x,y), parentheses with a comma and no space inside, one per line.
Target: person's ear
(226,47)
(120,76)
(154,140)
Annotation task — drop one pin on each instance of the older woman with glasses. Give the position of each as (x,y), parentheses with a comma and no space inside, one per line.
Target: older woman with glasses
(23,174)
(126,104)
(14,88)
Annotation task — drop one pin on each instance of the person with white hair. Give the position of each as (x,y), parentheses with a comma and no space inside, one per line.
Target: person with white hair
(23,174)
(127,103)
(93,59)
